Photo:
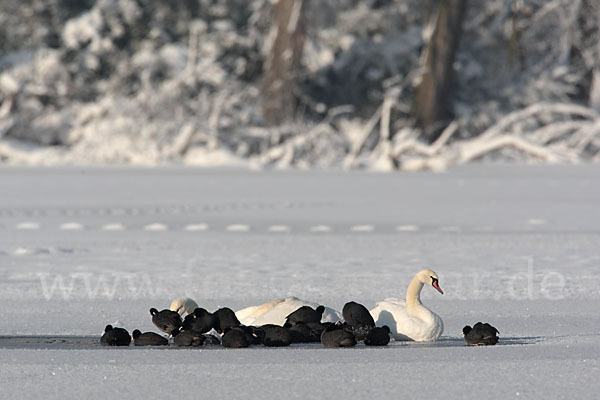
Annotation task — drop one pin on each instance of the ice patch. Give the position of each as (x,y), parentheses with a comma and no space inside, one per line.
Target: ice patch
(28,225)
(196,227)
(321,228)
(407,228)
(113,227)
(21,251)
(156,227)
(71,226)
(536,221)
(363,228)
(279,228)
(238,228)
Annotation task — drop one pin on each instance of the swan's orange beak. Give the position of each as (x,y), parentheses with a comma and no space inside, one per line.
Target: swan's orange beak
(436,285)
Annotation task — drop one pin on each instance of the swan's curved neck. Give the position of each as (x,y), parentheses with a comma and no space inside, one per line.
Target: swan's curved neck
(413,300)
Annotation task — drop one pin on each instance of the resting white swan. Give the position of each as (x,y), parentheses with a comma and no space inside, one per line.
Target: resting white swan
(275,312)
(183,305)
(410,319)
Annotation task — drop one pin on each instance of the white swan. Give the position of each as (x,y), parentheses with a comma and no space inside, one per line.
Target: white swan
(249,314)
(183,305)
(410,319)
(276,311)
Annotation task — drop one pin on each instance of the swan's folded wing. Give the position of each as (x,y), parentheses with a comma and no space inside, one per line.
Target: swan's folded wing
(247,315)
(331,315)
(276,312)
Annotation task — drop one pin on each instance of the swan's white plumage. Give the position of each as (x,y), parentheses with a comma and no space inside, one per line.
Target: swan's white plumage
(410,319)
(249,314)
(183,305)
(276,311)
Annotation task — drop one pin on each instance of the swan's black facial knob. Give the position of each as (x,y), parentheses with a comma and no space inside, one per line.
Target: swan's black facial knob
(435,283)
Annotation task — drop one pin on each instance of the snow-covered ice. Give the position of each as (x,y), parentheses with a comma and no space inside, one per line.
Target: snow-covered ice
(515,246)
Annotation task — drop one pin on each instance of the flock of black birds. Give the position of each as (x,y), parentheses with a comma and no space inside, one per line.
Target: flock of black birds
(301,326)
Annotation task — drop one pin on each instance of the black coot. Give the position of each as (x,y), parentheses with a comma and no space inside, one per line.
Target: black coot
(304,315)
(188,339)
(276,336)
(317,329)
(148,339)
(200,321)
(338,336)
(301,333)
(359,318)
(224,319)
(254,333)
(236,337)
(481,335)
(379,336)
(166,320)
(114,336)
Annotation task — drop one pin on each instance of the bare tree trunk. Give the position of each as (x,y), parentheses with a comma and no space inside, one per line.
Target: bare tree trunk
(594,96)
(433,105)
(283,62)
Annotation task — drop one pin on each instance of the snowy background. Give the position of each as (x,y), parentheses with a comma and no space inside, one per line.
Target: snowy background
(154,83)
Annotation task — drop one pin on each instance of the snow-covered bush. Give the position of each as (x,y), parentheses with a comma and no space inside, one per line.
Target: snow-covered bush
(154,82)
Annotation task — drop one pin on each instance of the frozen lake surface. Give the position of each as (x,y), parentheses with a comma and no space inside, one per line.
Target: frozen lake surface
(515,246)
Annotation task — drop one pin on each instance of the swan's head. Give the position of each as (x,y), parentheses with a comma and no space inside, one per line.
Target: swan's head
(184,305)
(428,277)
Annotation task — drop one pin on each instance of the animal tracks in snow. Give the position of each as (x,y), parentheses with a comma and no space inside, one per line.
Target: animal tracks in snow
(28,226)
(116,226)
(238,228)
(71,226)
(24,251)
(156,226)
(196,227)
(363,228)
(279,228)
(113,227)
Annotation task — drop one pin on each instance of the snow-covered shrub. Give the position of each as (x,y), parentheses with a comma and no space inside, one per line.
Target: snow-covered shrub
(151,82)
